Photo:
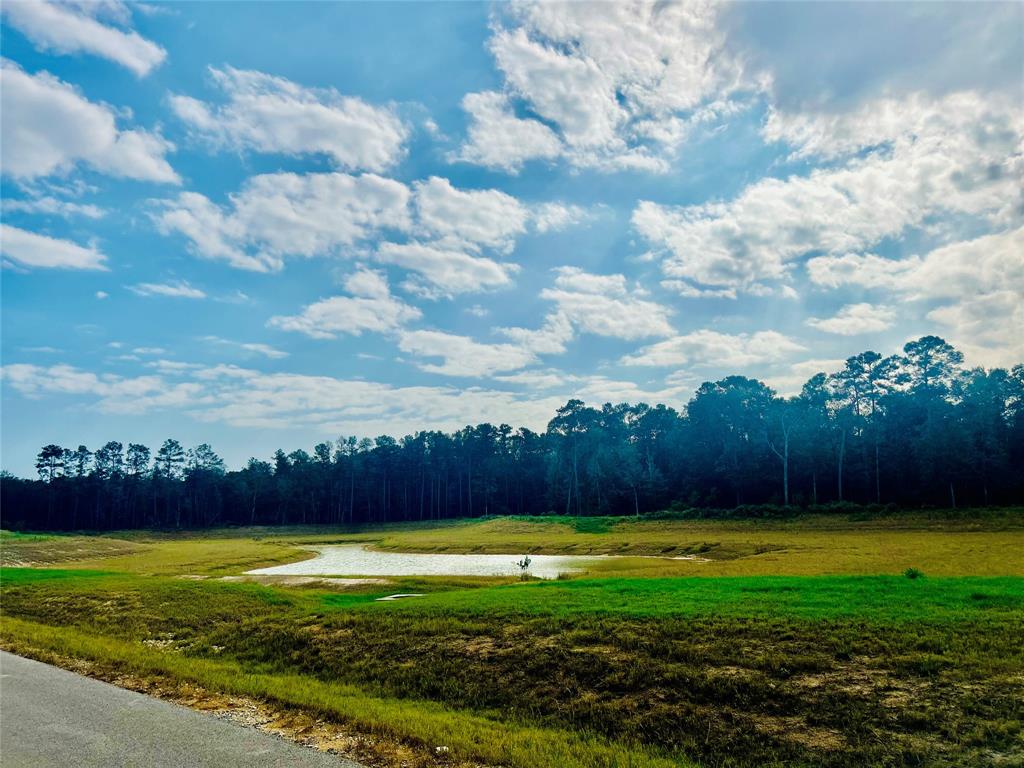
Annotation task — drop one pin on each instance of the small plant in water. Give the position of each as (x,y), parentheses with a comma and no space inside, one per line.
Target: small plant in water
(524,568)
(913,573)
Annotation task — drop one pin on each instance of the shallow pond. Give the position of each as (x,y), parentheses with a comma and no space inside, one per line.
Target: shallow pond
(357,560)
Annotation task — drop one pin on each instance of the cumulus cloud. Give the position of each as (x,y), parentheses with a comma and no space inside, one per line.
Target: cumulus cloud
(180,289)
(485,217)
(612,86)
(461,356)
(75,28)
(721,350)
(496,138)
(433,230)
(57,128)
(279,215)
(247,398)
(986,327)
(550,339)
(855,319)
(979,284)
(957,156)
(271,114)
(30,249)
(555,217)
(51,206)
(371,307)
(442,271)
(604,306)
(865,269)
(111,393)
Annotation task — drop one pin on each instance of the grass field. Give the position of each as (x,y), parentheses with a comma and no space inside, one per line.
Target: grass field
(795,642)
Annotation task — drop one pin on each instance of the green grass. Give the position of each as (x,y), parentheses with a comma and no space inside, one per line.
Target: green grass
(465,733)
(798,642)
(841,671)
(940,544)
(19,536)
(873,598)
(14,577)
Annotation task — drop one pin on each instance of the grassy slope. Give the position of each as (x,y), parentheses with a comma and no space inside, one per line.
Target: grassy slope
(466,733)
(958,546)
(752,670)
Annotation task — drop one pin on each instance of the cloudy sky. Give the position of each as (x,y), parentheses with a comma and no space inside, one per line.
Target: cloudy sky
(264,225)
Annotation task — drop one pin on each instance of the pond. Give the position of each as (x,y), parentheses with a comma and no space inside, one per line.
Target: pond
(357,560)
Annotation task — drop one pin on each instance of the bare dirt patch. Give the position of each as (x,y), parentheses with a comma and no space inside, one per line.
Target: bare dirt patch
(53,550)
(330,582)
(796,730)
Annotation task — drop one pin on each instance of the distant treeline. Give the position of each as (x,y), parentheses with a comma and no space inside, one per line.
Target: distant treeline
(915,429)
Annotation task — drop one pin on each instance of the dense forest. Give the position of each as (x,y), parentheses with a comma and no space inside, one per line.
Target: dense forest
(915,429)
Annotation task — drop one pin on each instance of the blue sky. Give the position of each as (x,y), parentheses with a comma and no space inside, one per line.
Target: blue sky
(263,225)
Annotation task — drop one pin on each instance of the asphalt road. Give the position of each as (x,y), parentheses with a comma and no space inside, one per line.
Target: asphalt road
(52,717)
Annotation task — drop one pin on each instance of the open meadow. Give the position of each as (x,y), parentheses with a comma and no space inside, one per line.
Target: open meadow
(883,640)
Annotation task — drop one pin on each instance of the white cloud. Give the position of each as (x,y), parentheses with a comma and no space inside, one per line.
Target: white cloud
(73,28)
(537,379)
(958,156)
(485,217)
(461,355)
(278,215)
(866,269)
(602,389)
(49,127)
(604,306)
(496,138)
(618,85)
(443,271)
(855,319)
(988,327)
(981,282)
(368,283)
(796,375)
(550,339)
(371,308)
(437,232)
(102,295)
(248,398)
(180,289)
(30,249)
(53,207)
(691,291)
(255,348)
(114,394)
(721,350)
(272,114)
(555,217)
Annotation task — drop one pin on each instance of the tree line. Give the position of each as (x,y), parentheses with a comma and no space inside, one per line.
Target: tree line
(913,429)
